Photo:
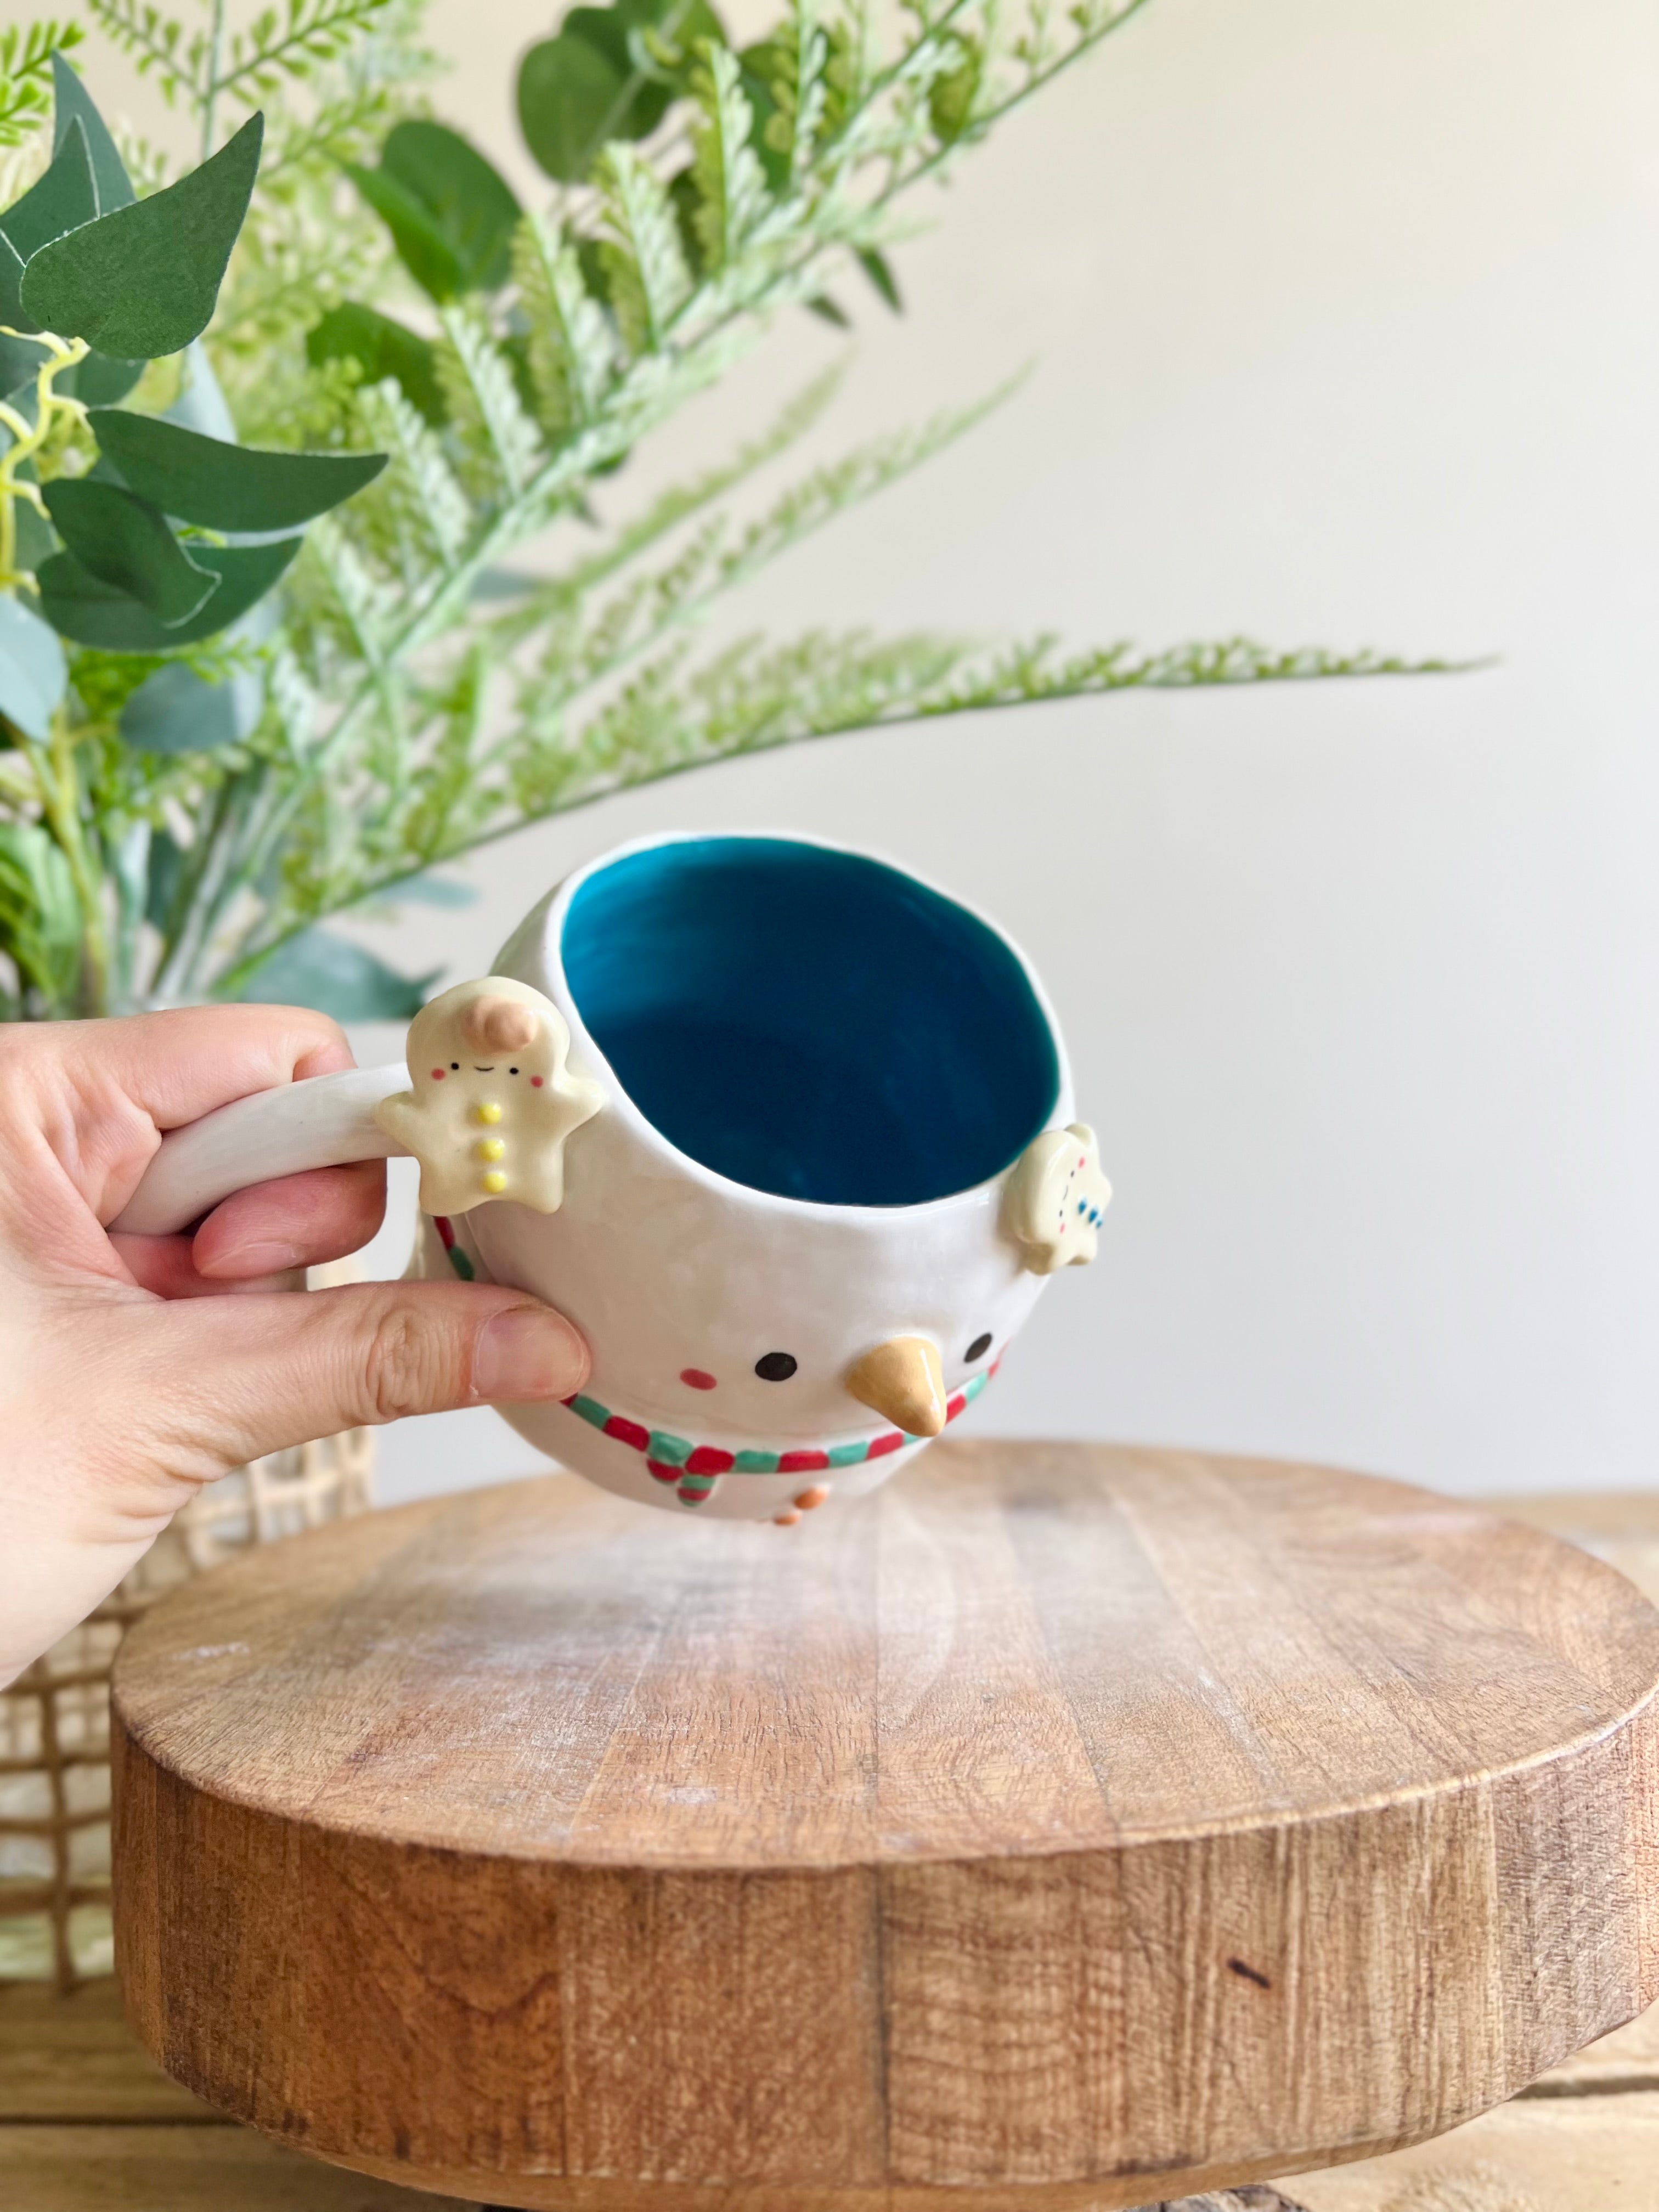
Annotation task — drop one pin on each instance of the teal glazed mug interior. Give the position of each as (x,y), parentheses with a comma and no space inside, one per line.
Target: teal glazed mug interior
(815,1160)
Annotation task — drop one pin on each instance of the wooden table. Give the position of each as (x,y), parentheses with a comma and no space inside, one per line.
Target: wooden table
(102,2128)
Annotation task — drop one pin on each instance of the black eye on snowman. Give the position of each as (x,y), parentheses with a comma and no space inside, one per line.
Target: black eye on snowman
(980,1347)
(776,1366)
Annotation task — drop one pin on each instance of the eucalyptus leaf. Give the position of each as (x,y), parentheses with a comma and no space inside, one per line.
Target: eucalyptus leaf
(381,348)
(451,215)
(653,40)
(79,605)
(143,282)
(73,103)
(428,256)
(11,288)
(600,79)
(201,404)
(166,868)
(225,487)
(61,200)
(471,200)
(177,711)
(36,540)
(123,540)
(20,360)
(336,977)
(572,98)
(32,671)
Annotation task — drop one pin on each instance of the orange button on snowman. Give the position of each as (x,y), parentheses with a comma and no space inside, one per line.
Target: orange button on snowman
(493,1099)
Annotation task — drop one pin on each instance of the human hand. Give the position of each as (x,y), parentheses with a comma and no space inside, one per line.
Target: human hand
(135,1369)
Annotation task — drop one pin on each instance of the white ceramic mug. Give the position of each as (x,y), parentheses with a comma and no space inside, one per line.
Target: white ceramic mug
(815,1161)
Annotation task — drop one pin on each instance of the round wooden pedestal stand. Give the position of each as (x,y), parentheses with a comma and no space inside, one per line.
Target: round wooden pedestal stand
(1062,1828)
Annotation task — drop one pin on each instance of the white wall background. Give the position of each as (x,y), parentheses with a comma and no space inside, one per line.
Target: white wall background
(1346,329)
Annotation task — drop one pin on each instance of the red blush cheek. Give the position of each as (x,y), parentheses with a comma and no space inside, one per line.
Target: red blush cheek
(695,1378)
(535,1083)
(437,1074)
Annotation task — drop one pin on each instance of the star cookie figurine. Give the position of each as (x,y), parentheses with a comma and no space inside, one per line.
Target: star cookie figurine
(1056,1196)
(493,1101)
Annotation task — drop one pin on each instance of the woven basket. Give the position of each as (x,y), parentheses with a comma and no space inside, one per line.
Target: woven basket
(54,1719)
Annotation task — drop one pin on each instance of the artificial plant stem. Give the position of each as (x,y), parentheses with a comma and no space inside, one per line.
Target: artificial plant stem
(245,826)
(176,930)
(50,407)
(210,81)
(131,847)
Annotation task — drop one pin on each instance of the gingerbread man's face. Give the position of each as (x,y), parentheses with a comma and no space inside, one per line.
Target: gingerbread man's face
(1056,1196)
(493,1101)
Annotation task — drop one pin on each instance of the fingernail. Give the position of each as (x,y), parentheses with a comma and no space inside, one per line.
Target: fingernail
(247,1260)
(528,1352)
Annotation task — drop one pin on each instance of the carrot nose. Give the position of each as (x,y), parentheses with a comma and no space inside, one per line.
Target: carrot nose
(492,1024)
(904,1381)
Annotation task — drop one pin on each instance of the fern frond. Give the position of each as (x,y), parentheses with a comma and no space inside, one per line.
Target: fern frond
(640,249)
(418,492)
(497,438)
(572,353)
(26,53)
(672,508)
(363,607)
(721,556)
(730,186)
(293,703)
(289,43)
(156,44)
(755,696)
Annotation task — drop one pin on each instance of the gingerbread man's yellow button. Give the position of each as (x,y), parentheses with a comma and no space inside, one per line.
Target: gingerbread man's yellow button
(494,1182)
(486,1110)
(488,1148)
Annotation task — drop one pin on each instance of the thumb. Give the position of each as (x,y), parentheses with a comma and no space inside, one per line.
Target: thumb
(250,1374)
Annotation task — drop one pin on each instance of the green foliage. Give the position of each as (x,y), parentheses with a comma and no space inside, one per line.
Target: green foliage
(32,671)
(143,280)
(317,968)
(95,610)
(225,487)
(26,65)
(480,628)
(72,103)
(39,916)
(64,198)
(125,542)
(450,215)
(175,710)
(382,348)
(610,74)
(281,46)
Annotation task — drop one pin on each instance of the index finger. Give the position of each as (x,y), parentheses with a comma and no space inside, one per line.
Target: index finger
(179,1065)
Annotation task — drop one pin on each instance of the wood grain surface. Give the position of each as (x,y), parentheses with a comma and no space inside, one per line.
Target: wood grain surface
(1063,1828)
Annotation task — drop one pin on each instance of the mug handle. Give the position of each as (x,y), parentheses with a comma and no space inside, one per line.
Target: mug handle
(321,1121)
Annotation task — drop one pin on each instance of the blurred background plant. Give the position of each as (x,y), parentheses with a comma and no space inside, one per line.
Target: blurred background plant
(489,632)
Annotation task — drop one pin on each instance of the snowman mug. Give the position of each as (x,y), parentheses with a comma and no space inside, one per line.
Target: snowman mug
(785,1131)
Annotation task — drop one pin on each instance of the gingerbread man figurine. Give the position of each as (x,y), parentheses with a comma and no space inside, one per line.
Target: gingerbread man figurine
(493,1100)
(1056,1196)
